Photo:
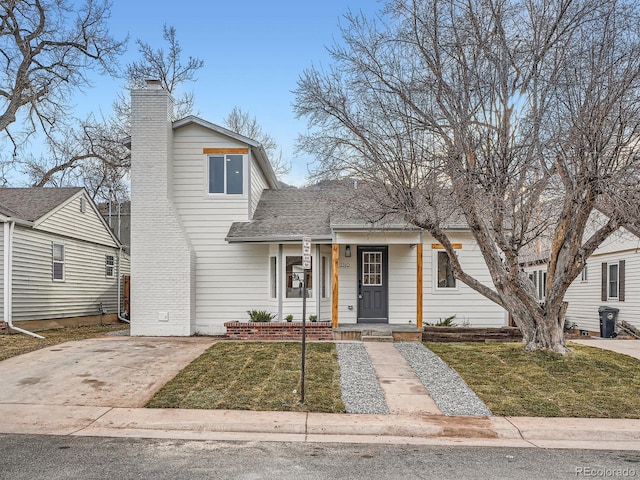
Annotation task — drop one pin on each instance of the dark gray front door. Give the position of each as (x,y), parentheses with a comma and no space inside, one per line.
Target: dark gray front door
(373,277)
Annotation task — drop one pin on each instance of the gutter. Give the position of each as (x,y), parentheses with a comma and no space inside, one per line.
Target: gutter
(8,280)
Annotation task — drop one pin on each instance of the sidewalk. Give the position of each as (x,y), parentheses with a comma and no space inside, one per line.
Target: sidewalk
(95,388)
(227,425)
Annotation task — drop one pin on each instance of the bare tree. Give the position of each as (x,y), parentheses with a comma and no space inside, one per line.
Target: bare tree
(93,154)
(241,122)
(46,49)
(522,116)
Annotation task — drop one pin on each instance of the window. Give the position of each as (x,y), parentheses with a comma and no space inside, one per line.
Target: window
(58,261)
(613,280)
(445,277)
(226,174)
(296,276)
(542,284)
(584,275)
(323,277)
(273,275)
(109,266)
(371,268)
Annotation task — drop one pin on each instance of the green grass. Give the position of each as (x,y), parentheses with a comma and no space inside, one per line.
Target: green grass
(19,343)
(589,382)
(256,376)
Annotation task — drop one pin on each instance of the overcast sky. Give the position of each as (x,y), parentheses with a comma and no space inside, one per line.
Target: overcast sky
(253,50)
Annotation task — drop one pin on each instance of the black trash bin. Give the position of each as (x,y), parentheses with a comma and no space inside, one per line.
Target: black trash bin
(608,316)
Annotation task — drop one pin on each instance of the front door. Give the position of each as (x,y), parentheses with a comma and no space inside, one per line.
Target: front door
(373,279)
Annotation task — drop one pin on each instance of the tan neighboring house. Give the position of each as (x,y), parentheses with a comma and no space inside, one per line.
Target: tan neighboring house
(213,236)
(61,264)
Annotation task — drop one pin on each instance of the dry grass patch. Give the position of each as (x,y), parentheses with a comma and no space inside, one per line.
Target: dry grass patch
(19,343)
(256,376)
(589,382)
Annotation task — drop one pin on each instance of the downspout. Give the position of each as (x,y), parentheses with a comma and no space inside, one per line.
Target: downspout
(120,317)
(8,274)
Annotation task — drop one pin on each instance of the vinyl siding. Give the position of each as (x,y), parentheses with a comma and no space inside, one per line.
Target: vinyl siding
(230,278)
(37,296)
(468,305)
(71,222)
(584,297)
(258,184)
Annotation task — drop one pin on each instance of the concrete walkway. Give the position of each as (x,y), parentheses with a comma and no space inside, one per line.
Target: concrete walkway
(626,347)
(93,388)
(403,390)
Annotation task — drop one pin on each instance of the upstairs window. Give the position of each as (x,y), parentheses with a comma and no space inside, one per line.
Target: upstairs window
(57,255)
(226,174)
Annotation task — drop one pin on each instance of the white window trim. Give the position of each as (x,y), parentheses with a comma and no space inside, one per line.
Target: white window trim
(584,274)
(54,261)
(245,176)
(106,266)
(434,276)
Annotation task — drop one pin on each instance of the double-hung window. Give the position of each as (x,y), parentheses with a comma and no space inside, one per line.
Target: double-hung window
(226,174)
(444,272)
(110,266)
(57,257)
(613,281)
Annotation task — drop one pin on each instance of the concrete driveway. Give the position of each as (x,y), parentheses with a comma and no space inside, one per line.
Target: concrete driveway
(106,372)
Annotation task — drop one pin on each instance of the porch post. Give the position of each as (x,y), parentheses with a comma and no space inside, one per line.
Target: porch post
(335,254)
(419,285)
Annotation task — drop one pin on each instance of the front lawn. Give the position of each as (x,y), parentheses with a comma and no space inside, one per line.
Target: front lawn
(589,382)
(256,376)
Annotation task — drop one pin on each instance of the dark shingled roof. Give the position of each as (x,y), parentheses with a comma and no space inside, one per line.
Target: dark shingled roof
(287,214)
(290,214)
(32,203)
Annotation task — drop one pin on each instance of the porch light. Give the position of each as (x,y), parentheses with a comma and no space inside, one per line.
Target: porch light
(347,251)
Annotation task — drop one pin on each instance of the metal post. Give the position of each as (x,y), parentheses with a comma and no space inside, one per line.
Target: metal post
(304,333)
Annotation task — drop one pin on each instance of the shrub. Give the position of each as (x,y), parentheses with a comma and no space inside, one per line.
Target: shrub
(260,315)
(313,318)
(289,318)
(447,322)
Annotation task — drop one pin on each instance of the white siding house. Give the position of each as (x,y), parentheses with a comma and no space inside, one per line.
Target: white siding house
(611,278)
(61,265)
(213,236)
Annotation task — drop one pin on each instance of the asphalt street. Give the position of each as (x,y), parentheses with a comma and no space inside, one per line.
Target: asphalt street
(62,457)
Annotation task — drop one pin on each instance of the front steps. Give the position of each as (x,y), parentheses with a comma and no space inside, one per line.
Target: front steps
(378,333)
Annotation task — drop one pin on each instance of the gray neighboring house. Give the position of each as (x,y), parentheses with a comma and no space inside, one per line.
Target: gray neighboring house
(61,264)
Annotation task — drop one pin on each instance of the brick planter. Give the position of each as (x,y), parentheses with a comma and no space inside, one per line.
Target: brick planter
(278,331)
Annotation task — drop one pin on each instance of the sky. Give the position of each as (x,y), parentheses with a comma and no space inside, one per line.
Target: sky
(253,51)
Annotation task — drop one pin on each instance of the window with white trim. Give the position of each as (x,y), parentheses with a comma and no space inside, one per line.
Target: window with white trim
(57,261)
(109,266)
(584,275)
(296,277)
(444,271)
(226,174)
(613,280)
(273,277)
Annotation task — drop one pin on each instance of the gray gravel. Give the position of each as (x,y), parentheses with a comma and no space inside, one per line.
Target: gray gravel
(450,392)
(361,392)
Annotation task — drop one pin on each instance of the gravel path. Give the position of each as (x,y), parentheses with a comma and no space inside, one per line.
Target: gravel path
(361,392)
(450,392)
